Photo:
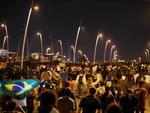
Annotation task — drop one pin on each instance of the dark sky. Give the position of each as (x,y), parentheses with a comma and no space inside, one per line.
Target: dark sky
(126,23)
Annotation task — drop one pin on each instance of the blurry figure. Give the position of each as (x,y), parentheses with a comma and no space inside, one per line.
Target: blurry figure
(11,107)
(47,102)
(65,104)
(61,92)
(140,93)
(79,83)
(113,108)
(123,84)
(106,99)
(101,89)
(30,101)
(128,102)
(90,103)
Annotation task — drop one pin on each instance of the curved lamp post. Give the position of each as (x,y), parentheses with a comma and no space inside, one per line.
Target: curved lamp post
(80,52)
(26,30)
(112,47)
(147,50)
(73,49)
(41,40)
(106,44)
(6,36)
(61,47)
(146,55)
(97,39)
(48,50)
(4,40)
(115,54)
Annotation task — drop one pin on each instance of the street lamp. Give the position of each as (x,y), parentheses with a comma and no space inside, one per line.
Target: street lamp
(80,52)
(75,46)
(48,51)
(112,47)
(106,44)
(99,36)
(146,55)
(41,39)
(115,54)
(61,47)
(147,50)
(6,36)
(4,40)
(73,49)
(26,30)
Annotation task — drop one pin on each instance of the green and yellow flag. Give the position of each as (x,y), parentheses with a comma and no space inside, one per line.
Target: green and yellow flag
(18,88)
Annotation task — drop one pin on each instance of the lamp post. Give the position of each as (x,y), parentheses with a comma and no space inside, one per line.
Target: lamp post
(77,37)
(112,47)
(4,40)
(26,30)
(147,50)
(73,49)
(115,54)
(97,39)
(146,55)
(61,47)
(48,50)
(6,36)
(41,40)
(106,44)
(80,52)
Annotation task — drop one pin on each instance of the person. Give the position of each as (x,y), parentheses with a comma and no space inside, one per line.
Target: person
(141,93)
(61,92)
(123,84)
(11,107)
(65,104)
(79,83)
(90,103)
(128,102)
(88,81)
(47,102)
(113,108)
(106,99)
(30,101)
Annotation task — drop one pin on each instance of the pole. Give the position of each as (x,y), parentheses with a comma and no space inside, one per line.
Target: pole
(108,41)
(25,34)
(95,48)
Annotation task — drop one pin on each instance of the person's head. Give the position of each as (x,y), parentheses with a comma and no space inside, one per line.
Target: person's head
(47,98)
(92,91)
(11,105)
(113,108)
(129,92)
(66,84)
(107,89)
(67,92)
(90,80)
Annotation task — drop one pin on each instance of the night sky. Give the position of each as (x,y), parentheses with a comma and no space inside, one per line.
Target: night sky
(127,24)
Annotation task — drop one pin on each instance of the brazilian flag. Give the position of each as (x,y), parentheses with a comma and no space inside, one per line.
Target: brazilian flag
(18,88)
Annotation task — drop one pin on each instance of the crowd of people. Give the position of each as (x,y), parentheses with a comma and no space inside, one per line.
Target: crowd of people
(85,88)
